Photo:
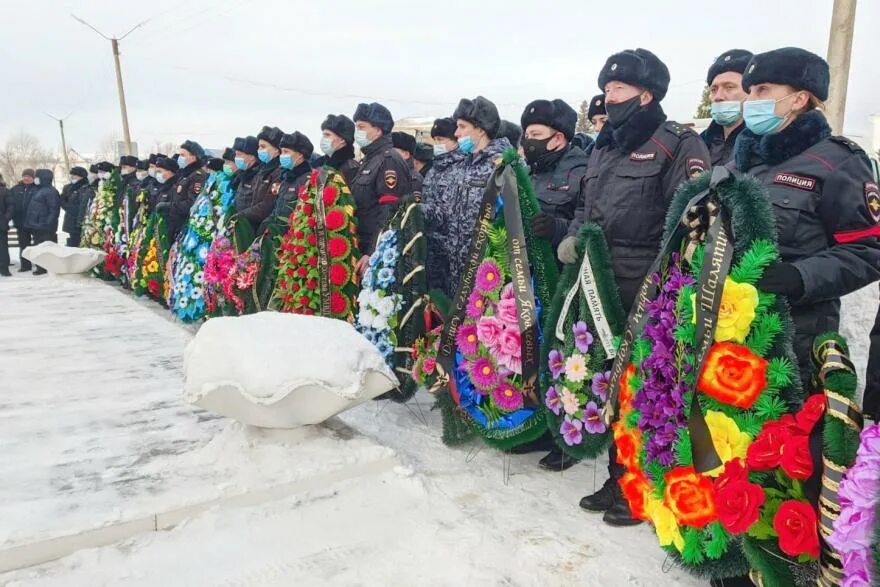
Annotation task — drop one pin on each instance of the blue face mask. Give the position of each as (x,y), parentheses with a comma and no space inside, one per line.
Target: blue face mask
(152,172)
(241,163)
(161,178)
(286,161)
(360,137)
(726,113)
(466,144)
(263,155)
(439,149)
(327,146)
(761,117)
(181,161)
(593,135)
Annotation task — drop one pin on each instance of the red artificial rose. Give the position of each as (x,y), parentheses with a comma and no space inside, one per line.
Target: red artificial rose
(811,412)
(299,234)
(796,525)
(303,301)
(334,220)
(330,195)
(796,458)
(337,247)
(313,180)
(338,304)
(312,284)
(338,275)
(153,287)
(299,250)
(312,222)
(313,239)
(313,261)
(303,195)
(302,271)
(307,208)
(766,451)
(733,471)
(738,504)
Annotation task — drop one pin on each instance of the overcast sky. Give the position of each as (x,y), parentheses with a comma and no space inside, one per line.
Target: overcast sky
(213,69)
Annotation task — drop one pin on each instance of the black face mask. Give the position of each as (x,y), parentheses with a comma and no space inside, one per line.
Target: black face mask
(620,113)
(535,149)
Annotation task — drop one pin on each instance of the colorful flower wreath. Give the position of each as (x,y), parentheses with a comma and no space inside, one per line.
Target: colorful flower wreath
(100,214)
(136,236)
(575,376)
(150,275)
(317,256)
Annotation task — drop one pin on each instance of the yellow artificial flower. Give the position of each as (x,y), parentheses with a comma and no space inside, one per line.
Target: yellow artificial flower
(730,443)
(153,267)
(736,312)
(665,524)
(349,210)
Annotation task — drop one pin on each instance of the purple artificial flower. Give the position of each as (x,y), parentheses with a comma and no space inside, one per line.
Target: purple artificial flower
(507,397)
(594,423)
(552,400)
(466,339)
(582,336)
(484,374)
(856,567)
(853,529)
(488,277)
(862,485)
(557,364)
(476,305)
(869,447)
(601,381)
(571,431)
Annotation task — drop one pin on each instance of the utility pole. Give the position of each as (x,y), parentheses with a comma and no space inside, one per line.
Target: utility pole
(114,43)
(63,140)
(840,40)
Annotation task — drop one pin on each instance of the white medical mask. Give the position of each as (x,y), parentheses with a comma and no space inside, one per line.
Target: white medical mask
(141,175)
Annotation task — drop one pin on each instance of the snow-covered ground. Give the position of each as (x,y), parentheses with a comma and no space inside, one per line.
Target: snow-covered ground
(103,460)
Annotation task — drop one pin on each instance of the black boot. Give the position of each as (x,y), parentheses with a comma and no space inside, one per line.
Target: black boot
(602,500)
(557,460)
(619,515)
(24,268)
(40,271)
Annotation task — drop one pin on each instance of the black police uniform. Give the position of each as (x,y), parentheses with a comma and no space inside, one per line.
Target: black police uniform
(383,179)
(259,193)
(558,184)
(188,185)
(344,162)
(291,182)
(630,180)
(720,149)
(827,208)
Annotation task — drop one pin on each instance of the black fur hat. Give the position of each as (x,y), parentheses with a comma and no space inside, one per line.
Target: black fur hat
(481,113)
(637,67)
(556,114)
(248,145)
(143,165)
(168,163)
(79,172)
(104,166)
(404,141)
(298,142)
(597,106)
(93,168)
(194,148)
(792,66)
(423,152)
(214,163)
(341,125)
(130,160)
(272,135)
(734,60)
(510,131)
(153,157)
(375,114)
(444,128)
(229,154)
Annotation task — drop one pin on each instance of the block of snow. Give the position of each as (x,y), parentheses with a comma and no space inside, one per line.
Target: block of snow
(277,370)
(62,260)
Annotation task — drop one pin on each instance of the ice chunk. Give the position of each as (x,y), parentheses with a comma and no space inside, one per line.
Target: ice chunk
(62,260)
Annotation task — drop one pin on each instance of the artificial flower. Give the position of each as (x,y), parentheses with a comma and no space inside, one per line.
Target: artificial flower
(601,380)
(796,459)
(765,452)
(665,524)
(557,364)
(484,374)
(582,336)
(729,442)
(489,330)
(510,343)
(476,305)
(507,397)
(334,220)
(811,412)
(736,312)
(690,497)
(628,443)
(466,339)
(636,490)
(625,395)
(594,422)
(338,275)
(576,368)
(571,431)
(507,313)
(738,504)
(489,278)
(733,375)
(570,402)
(552,400)
(797,527)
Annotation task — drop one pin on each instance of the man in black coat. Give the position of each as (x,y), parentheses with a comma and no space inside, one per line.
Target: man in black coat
(337,144)
(405,145)
(383,178)
(7,210)
(43,211)
(188,183)
(423,159)
(21,197)
(72,197)
(727,94)
(296,149)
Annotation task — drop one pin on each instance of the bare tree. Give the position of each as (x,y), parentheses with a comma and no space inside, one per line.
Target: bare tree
(23,151)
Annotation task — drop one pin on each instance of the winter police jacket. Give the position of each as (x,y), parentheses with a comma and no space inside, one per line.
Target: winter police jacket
(291,182)
(827,208)
(244,183)
(44,206)
(381,181)
(558,188)
(720,149)
(71,201)
(440,189)
(631,178)
(188,184)
(259,194)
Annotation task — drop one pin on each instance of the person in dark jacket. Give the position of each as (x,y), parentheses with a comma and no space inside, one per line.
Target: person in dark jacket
(423,159)
(439,195)
(43,211)
(871,398)
(267,182)
(639,161)
(296,149)
(142,175)
(405,145)
(726,92)
(21,197)
(825,199)
(512,132)
(248,166)
(7,211)
(72,197)
(337,145)
(128,175)
(189,180)
(383,178)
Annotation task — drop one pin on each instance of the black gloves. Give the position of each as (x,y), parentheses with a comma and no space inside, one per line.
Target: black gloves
(782,279)
(543,226)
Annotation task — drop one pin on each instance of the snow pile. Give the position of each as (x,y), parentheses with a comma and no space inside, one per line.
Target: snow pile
(278,370)
(63,260)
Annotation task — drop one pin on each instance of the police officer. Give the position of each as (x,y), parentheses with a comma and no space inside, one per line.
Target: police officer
(189,180)
(248,165)
(597,116)
(73,196)
(296,149)
(512,132)
(405,145)
(229,161)
(127,173)
(826,202)
(639,161)
(267,182)
(383,176)
(423,159)
(726,92)
(337,144)
(142,174)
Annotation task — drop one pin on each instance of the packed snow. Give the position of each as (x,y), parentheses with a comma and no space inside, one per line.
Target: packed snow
(97,434)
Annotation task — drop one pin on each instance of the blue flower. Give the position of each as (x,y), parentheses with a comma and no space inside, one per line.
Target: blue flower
(384,347)
(202,252)
(389,257)
(388,238)
(385,277)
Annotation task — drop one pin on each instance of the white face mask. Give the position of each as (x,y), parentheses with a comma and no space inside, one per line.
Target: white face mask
(141,175)
(160,177)
(103,174)
(92,176)
(36,181)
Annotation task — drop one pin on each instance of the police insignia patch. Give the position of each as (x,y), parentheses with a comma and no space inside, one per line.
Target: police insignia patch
(636,156)
(695,166)
(198,188)
(598,102)
(872,200)
(752,68)
(275,187)
(179,189)
(391,179)
(613,67)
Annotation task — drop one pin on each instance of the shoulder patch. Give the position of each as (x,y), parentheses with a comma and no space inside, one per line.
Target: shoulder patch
(872,200)
(848,143)
(391,179)
(197,187)
(801,182)
(695,166)
(676,128)
(275,187)
(637,156)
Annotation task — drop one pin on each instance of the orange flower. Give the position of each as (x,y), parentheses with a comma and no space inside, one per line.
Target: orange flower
(625,397)
(733,375)
(689,496)
(635,489)
(629,443)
